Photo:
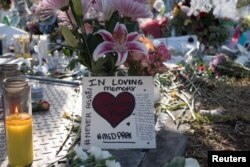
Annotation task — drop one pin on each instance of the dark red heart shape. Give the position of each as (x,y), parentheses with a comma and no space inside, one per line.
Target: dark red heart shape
(114,109)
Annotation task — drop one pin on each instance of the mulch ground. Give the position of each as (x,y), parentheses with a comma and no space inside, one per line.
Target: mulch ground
(230,131)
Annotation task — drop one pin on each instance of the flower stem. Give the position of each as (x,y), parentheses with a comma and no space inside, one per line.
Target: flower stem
(84,35)
(76,140)
(70,21)
(67,137)
(52,163)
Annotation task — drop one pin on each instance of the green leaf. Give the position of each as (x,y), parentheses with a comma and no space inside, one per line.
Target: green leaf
(110,24)
(132,26)
(104,66)
(77,7)
(67,52)
(84,59)
(93,41)
(96,25)
(6,20)
(77,18)
(97,67)
(72,64)
(69,37)
(110,61)
(176,162)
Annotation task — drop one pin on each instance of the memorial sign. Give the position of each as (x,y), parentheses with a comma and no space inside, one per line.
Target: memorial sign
(118,112)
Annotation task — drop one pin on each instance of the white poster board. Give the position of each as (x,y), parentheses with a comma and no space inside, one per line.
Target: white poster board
(180,43)
(118,112)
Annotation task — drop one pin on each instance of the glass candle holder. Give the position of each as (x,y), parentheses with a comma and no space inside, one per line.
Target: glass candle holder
(18,121)
(6,71)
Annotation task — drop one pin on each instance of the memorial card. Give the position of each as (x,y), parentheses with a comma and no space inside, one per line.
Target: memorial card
(118,112)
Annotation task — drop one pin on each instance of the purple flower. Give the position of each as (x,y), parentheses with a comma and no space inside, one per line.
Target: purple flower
(55,4)
(65,18)
(134,9)
(49,8)
(120,41)
(142,1)
(218,60)
(105,7)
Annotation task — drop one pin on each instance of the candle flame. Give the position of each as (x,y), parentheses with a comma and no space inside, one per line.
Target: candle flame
(16,110)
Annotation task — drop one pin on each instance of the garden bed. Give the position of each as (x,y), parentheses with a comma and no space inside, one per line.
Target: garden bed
(229,131)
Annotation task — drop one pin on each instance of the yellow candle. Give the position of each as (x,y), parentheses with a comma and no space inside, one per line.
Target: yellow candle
(19,139)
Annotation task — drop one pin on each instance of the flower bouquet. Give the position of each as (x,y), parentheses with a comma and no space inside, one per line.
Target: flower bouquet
(209,20)
(221,65)
(140,65)
(100,34)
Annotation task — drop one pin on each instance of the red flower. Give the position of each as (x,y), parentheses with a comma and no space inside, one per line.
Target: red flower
(202,14)
(43,105)
(201,68)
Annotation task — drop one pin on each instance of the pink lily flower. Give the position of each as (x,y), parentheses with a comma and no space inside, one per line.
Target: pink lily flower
(120,41)
(134,9)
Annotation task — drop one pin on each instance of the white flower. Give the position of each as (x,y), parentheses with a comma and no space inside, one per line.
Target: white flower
(80,153)
(106,154)
(191,162)
(221,8)
(82,166)
(112,163)
(96,151)
(225,9)
(158,5)
(197,6)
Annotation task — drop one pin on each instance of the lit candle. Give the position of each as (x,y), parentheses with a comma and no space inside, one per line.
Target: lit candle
(19,138)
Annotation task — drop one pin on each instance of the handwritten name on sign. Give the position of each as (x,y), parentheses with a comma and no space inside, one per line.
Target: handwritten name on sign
(118,112)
